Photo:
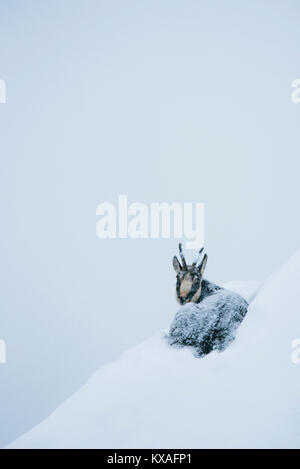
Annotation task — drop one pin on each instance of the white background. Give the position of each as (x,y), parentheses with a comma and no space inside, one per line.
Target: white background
(186,101)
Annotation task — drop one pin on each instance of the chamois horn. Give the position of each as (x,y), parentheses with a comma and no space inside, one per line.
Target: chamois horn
(184,265)
(199,258)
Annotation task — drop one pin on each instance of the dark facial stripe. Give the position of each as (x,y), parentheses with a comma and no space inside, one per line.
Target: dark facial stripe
(178,288)
(194,288)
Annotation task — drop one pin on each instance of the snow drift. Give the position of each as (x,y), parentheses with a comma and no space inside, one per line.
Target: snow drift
(156,396)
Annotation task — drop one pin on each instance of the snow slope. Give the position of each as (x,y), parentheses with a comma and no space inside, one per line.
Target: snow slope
(156,396)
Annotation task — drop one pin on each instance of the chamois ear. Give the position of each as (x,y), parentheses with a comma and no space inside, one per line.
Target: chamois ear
(202,266)
(176,265)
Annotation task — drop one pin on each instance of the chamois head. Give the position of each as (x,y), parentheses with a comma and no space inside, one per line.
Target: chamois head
(189,277)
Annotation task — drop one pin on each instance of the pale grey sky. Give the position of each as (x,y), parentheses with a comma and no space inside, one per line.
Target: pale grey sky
(186,101)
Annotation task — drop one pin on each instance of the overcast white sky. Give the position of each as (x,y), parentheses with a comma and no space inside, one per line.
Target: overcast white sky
(165,101)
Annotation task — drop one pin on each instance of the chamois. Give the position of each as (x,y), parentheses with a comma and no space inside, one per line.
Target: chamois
(209,315)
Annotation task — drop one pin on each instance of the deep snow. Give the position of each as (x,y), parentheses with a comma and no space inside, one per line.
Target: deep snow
(156,396)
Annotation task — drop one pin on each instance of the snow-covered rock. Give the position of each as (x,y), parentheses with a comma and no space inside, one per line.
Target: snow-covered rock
(209,325)
(156,396)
